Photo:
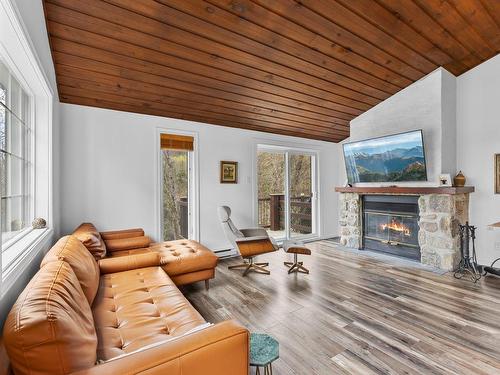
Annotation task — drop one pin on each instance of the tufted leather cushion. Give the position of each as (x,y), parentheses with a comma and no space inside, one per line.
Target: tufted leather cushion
(137,308)
(50,329)
(88,234)
(72,251)
(184,256)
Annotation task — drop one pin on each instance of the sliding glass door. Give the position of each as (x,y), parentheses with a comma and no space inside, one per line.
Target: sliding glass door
(302,199)
(286,192)
(271,166)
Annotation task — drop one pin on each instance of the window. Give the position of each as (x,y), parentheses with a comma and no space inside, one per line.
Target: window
(177,186)
(16,166)
(26,116)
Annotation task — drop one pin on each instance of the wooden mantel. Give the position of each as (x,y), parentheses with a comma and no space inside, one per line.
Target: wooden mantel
(406,190)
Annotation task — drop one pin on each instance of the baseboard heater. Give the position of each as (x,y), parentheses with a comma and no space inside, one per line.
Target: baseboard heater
(225,253)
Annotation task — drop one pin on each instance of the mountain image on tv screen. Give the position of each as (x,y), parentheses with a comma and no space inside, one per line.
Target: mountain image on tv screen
(398,157)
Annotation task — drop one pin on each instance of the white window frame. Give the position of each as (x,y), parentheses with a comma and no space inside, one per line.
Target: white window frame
(289,148)
(18,54)
(5,246)
(194,191)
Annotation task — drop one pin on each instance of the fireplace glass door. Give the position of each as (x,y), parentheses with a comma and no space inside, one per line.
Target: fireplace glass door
(390,224)
(391,229)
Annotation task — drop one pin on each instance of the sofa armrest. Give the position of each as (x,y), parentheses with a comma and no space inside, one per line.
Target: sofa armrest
(219,349)
(130,243)
(129,262)
(124,233)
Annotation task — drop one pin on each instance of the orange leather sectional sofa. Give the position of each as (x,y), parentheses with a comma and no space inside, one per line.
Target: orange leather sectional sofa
(119,314)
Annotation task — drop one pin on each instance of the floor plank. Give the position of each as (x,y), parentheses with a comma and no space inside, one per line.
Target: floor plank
(356,314)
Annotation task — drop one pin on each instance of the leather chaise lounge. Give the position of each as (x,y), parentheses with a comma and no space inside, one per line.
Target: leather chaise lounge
(185,261)
(118,315)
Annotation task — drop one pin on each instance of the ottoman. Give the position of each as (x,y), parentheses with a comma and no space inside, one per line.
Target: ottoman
(296,248)
(186,261)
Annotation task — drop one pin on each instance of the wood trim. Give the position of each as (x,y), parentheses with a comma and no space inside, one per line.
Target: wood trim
(176,142)
(406,190)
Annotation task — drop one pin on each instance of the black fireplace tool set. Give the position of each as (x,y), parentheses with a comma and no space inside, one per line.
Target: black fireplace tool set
(468,264)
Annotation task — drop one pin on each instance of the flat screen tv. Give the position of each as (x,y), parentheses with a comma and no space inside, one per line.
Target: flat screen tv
(393,158)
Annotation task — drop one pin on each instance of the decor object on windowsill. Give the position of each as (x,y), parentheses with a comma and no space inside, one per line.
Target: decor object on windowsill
(39,223)
(264,349)
(228,172)
(497,173)
(468,263)
(459,180)
(445,179)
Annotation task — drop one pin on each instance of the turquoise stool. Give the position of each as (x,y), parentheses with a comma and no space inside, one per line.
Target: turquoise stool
(263,351)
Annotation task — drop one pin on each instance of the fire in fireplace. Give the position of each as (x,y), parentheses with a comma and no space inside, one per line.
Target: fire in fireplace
(397,226)
(390,224)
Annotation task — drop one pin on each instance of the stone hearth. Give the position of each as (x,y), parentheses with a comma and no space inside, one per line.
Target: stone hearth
(438,236)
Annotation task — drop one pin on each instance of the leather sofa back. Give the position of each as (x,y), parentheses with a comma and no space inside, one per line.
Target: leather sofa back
(72,251)
(50,329)
(88,234)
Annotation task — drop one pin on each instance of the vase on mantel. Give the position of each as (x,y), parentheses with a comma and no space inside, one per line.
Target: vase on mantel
(459,180)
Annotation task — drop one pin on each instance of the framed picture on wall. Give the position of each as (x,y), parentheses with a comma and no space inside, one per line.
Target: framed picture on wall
(497,173)
(228,172)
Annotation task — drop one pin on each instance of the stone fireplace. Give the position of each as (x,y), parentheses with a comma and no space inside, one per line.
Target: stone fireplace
(417,223)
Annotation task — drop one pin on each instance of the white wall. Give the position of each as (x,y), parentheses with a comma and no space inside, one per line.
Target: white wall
(427,104)
(478,133)
(108,171)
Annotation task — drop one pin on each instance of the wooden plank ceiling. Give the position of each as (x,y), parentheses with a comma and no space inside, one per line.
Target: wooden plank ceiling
(302,68)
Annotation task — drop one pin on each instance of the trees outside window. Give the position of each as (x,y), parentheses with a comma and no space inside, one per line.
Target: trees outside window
(274,167)
(175,168)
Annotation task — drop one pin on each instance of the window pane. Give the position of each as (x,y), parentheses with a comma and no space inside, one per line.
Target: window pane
(4,83)
(3,174)
(300,173)
(15,163)
(13,219)
(14,103)
(271,192)
(25,109)
(15,136)
(175,194)
(3,134)
(12,181)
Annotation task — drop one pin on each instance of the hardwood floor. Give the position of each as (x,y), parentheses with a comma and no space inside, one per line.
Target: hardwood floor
(354,314)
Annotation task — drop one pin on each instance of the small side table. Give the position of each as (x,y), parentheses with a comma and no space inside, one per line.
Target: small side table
(263,351)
